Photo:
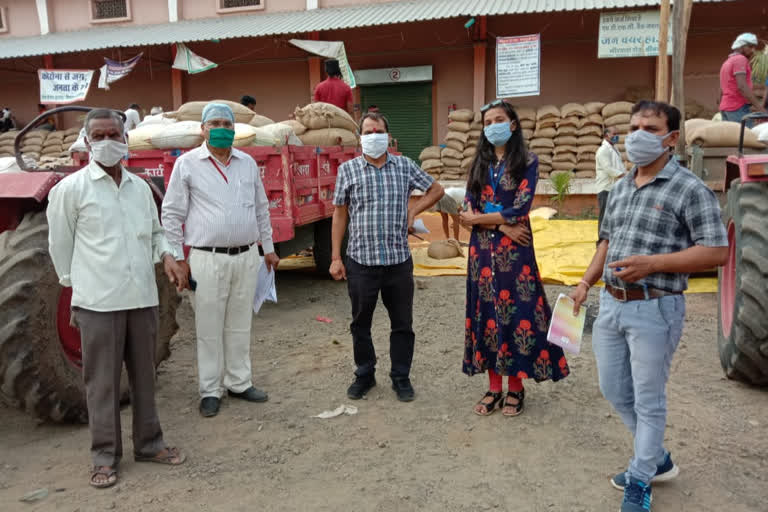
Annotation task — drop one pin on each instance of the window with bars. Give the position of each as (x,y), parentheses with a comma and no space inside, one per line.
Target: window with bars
(110,10)
(241,5)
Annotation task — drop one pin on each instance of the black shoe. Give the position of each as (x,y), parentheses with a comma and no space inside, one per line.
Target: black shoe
(403,388)
(251,394)
(209,407)
(360,387)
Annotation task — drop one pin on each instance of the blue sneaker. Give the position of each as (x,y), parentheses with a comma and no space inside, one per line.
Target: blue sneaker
(664,472)
(637,497)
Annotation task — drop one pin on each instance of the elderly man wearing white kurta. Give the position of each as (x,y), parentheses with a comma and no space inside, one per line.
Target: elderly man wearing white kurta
(217,194)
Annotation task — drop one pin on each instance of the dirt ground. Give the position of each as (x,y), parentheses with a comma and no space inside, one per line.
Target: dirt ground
(431,454)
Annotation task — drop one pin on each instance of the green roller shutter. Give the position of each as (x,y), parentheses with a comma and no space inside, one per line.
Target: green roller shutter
(408,108)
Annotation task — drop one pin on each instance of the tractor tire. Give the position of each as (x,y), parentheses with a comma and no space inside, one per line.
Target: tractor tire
(323,247)
(35,373)
(743,285)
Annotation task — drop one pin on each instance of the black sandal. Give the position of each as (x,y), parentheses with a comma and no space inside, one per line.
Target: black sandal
(520,397)
(489,407)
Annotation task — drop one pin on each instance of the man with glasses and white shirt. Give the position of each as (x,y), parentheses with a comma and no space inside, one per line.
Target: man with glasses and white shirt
(216,193)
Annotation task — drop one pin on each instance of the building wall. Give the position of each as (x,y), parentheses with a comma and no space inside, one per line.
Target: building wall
(22,19)
(68,15)
(196,9)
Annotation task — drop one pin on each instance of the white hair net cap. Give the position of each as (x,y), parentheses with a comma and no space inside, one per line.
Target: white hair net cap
(743,40)
(217,111)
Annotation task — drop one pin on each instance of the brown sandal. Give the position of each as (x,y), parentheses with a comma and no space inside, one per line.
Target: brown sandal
(170,455)
(490,408)
(109,472)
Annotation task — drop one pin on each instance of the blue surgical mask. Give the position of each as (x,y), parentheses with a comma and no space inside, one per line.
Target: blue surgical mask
(644,148)
(498,133)
(615,139)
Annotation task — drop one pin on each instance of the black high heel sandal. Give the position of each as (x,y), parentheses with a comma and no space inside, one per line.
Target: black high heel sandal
(519,406)
(490,408)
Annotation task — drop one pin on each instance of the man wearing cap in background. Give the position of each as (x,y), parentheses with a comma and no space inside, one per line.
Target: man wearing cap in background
(333,89)
(217,194)
(736,95)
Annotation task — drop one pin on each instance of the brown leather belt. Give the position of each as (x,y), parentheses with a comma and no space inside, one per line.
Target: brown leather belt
(629,294)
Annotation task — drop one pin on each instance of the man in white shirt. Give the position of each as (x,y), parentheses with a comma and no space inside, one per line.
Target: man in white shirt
(104,240)
(216,192)
(132,117)
(609,168)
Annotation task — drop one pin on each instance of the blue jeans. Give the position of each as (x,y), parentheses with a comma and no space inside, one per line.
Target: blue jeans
(634,343)
(737,115)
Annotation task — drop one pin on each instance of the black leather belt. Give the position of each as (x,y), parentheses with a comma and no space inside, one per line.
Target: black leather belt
(629,294)
(231,251)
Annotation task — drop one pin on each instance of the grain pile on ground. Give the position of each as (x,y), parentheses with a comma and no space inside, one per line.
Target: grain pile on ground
(326,125)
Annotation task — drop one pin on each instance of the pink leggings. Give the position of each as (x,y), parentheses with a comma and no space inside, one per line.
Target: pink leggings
(515,384)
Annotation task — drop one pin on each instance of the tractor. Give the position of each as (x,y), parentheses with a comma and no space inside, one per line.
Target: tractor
(743,281)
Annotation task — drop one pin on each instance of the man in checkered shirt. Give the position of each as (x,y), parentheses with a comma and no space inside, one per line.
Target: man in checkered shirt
(372,193)
(662,223)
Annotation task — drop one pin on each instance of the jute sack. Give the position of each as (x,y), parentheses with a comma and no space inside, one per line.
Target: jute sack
(547,123)
(155,119)
(527,134)
(690,126)
(545,159)
(455,144)
(569,121)
(594,107)
(589,130)
(193,111)
(585,173)
(31,148)
(566,140)
(430,153)
(33,138)
(451,162)
(566,130)
(8,136)
(181,135)
(296,126)
(319,115)
(588,149)
(723,134)
(541,152)
(431,163)
(543,174)
(573,109)
(467,162)
(595,119)
(75,130)
(451,153)
(545,167)
(281,133)
(459,136)
(475,134)
(55,136)
(458,126)
(546,133)
(526,114)
(617,119)
(547,111)
(329,137)
(444,249)
(589,140)
(565,157)
(452,172)
(566,149)
(51,150)
(528,124)
(476,126)
(470,151)
(542,143)
(622,128)
(258,121)
(587,157)
(619,107)
(462,115)
(563,166)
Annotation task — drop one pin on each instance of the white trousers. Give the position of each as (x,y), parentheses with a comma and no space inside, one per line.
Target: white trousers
(223,305)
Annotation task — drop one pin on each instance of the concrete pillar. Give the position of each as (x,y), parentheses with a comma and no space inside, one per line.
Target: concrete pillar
(42,15)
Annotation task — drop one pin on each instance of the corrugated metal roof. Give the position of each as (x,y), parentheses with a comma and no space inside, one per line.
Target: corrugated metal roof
(256,25)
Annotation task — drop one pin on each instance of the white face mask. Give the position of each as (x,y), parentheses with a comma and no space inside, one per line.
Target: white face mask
(644,148)
(108,152)
(375,144)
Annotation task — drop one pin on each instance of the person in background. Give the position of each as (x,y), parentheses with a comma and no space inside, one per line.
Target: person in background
(6,120)
(333,89)
(49,123)
(372,193)
(248,102)
(132,117)
(104,239)
(507,314)
(736,95)
(217,194)
(609,168)
(373,108)
(662,223)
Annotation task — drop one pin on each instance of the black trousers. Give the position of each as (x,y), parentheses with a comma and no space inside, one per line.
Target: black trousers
(395,283)
(602,200)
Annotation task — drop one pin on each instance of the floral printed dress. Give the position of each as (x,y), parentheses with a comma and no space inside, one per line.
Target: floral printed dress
(507,311)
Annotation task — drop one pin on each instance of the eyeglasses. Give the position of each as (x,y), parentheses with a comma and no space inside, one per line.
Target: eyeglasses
(494,103)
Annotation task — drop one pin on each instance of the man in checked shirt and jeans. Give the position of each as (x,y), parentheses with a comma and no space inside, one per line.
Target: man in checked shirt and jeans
(662,223)
(372,192)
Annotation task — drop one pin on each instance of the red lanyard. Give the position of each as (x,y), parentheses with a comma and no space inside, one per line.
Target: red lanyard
(218,169)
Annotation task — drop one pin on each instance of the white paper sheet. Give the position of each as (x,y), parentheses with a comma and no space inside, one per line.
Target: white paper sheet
(265,288)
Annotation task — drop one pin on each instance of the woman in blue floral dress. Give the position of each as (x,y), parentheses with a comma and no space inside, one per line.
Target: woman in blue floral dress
(507,310)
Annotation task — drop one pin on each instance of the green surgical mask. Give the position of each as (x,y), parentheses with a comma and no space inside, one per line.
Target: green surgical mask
(221,137)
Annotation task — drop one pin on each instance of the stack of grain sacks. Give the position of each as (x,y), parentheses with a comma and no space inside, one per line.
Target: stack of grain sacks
(543,140)
(70,137)
(6,143)
(590,136)
(527,117)
(326,125)
(431,161)
(457,140)
(616,115)
(32,144)
(566,140)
